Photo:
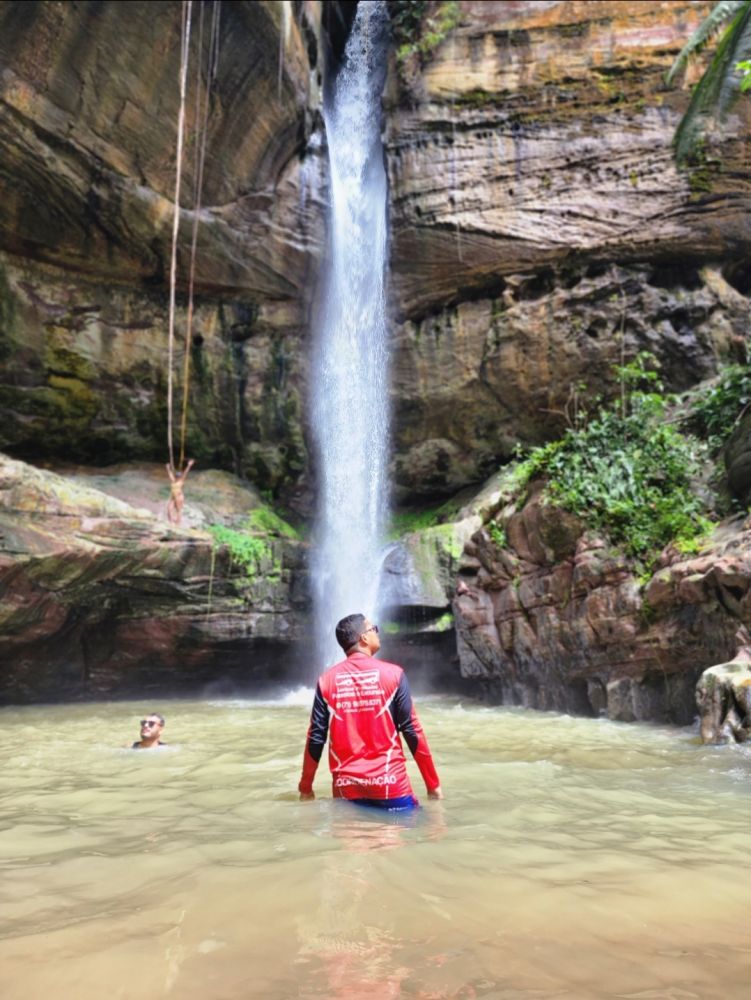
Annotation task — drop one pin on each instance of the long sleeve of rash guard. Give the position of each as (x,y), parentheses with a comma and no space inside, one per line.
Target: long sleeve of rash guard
(315,742)
(406,721)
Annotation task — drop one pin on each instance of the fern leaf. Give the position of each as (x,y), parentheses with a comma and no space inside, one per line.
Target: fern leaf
(718,89)
(709,27)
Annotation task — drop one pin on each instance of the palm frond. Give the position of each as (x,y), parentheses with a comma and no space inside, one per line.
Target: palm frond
(709,27)
(718,89)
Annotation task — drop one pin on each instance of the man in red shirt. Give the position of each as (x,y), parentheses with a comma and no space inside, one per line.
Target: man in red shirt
(363,704)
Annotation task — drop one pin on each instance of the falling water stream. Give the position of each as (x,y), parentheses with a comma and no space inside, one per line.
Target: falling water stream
(351,375)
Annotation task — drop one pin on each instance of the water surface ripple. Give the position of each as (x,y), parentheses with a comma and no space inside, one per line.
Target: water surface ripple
(571,858)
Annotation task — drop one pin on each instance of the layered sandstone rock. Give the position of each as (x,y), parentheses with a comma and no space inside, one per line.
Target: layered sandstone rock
(541,230)
(99,595)
(89,102)
(551,617)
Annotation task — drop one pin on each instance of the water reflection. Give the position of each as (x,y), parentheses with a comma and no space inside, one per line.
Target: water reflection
(360,829)
(346,954)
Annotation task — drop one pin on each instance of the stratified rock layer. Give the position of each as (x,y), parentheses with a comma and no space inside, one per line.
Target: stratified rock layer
(541,230)
(99,596)
(551,617)
(89,102)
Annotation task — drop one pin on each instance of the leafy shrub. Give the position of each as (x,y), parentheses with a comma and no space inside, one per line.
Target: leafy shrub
(246,550)
(627,472)
(497,534)
(417,35)
(715,415)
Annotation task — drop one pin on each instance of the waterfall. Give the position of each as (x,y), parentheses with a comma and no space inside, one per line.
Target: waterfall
(350,380)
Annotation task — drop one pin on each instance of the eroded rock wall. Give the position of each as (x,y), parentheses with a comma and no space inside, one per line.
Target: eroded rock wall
(556,618)
(89,101)
(541,230)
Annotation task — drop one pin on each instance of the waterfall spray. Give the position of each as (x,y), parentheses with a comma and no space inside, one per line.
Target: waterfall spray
(351,379)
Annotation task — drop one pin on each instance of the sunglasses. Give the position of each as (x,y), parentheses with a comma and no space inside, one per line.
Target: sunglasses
(373,628)
(150,723)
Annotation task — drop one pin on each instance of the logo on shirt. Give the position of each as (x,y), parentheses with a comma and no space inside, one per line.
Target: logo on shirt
(367,679)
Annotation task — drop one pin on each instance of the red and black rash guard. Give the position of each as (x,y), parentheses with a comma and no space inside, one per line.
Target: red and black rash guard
(363,704)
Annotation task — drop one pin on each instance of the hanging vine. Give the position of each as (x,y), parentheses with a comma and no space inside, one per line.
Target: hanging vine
(203,101)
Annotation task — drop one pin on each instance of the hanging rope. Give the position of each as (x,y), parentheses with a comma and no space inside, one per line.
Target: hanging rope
(184,48)
(202,128)
(283,32)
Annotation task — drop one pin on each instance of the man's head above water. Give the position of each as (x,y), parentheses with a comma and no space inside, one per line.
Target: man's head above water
(151,730)
(356,632)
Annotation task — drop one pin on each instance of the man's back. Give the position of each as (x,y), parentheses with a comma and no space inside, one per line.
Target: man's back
(362,705)
(364,699)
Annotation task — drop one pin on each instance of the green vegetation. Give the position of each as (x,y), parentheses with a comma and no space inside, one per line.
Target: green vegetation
(497,534)
(476,99)
(268,522)
(246,550)
(445,623)
(446,537)
(716,414)
(416,32)
(406,522)
(442,624)
(627,472)
(726,76)
(249,547)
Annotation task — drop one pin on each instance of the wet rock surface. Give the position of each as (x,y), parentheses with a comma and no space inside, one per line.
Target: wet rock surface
(100,596)
(556,619)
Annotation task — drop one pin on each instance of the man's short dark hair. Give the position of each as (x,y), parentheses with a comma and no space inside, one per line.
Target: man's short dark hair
(349,630)
(156,715)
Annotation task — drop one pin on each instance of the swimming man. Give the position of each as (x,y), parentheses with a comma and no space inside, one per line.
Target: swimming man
(151,731)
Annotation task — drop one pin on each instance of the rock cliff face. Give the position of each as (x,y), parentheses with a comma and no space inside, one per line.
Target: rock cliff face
(556,619)
(89,102)
(540,227)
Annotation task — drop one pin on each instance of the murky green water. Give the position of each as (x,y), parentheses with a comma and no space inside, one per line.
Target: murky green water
(571,858)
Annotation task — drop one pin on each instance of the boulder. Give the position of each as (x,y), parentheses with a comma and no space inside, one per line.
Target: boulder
(101,597)
(723,696)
